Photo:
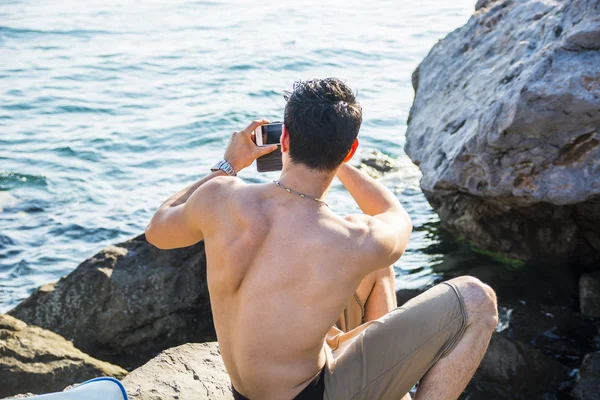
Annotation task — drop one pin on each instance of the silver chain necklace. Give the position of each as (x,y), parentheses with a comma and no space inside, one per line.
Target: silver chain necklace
(304,196)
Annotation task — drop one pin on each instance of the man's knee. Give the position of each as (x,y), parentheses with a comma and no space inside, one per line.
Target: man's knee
(480,301)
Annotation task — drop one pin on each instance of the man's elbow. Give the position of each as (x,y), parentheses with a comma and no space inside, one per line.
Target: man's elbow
(404,231)
(152,237)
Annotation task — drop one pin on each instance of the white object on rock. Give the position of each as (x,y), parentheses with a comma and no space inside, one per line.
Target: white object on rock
(95,389)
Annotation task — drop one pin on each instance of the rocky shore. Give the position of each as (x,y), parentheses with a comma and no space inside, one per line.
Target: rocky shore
(542,341)
(505,129)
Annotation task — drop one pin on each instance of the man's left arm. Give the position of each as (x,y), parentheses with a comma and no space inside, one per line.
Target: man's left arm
(178,222)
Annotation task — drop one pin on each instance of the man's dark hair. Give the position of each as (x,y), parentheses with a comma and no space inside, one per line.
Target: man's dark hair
(323,119)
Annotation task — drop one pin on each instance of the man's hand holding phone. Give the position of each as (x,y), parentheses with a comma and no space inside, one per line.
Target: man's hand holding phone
(268,135)
(242,149)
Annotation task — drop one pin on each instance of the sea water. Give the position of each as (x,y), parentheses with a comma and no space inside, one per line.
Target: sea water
(109,107)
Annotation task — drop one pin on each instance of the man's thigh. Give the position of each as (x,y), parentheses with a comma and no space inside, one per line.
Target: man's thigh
(389,355)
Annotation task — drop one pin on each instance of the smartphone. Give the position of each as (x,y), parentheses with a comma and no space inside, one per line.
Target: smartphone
(269,134)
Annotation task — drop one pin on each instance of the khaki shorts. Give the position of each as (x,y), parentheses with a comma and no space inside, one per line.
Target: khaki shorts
(385,358)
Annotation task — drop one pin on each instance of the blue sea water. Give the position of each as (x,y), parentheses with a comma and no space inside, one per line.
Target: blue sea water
(108,107)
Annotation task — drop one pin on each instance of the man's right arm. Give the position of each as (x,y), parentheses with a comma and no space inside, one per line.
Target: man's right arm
(388,224)
(181,220)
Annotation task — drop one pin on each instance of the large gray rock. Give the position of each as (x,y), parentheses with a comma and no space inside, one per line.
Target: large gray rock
(505,127)
(35,360)
(128,302)
(190,371)
(588,382)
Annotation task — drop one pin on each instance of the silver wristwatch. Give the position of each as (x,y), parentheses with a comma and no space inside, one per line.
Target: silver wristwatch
(225,167)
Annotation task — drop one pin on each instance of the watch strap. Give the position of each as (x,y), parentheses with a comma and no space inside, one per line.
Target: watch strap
(224,166)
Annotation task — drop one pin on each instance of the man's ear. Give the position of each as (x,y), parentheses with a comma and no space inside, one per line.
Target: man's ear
(285,139)
(352,150)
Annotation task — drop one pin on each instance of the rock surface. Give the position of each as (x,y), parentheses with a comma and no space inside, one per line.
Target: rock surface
(588,383)
(514,370)
(190,371)
(505,127)
(589,294)
(35,360)
(128,302)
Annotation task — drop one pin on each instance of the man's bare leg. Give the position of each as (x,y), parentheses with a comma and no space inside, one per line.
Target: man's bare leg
(447,379)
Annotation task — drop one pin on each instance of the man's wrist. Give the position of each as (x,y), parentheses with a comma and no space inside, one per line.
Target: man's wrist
(236,166)
(225,166)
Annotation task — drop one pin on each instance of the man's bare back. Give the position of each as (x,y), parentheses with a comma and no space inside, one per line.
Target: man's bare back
(280,270)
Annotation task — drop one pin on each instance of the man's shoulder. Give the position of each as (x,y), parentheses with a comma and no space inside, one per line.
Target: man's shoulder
(370,234)
(223,187)
(216,201)
(216,193)
(227,182)
(224,192)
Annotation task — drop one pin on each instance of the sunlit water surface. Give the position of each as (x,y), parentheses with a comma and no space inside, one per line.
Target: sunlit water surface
(108,107)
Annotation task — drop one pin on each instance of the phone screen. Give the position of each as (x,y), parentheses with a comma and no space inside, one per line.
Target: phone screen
(272,133)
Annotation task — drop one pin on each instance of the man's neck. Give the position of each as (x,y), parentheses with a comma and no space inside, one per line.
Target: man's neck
(307,181)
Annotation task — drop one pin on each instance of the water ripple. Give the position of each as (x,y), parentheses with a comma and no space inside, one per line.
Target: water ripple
(13,180)
(22,32)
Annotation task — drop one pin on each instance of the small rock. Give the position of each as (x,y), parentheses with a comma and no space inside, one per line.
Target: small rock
(191,371)
(589,294)
(376,163)
(35,360)
(588,384)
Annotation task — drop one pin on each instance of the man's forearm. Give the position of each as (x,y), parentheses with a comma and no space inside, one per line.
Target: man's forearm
(371,196)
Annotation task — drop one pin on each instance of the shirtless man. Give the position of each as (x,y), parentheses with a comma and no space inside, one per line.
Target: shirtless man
(283,271)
